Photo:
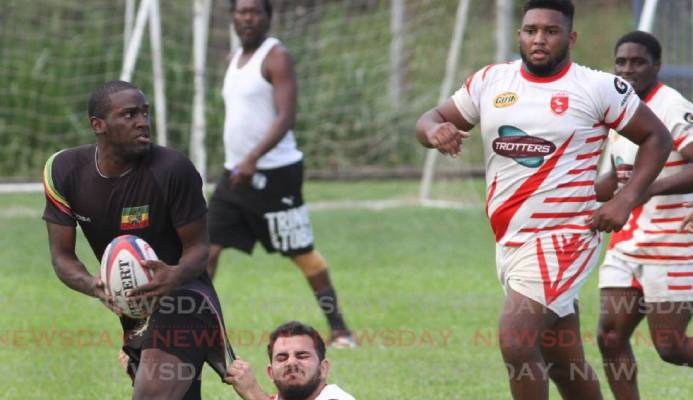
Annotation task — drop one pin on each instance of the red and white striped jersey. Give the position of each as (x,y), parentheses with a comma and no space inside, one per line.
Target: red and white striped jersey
(652,232)
(542,139)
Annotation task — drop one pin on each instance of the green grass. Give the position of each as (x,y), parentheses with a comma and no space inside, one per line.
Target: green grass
(417,285)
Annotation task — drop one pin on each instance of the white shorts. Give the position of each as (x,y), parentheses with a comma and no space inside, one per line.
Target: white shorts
(549,270)
(658,282)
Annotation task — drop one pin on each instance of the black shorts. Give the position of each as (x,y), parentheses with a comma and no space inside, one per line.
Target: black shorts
(270,210)
(187,324)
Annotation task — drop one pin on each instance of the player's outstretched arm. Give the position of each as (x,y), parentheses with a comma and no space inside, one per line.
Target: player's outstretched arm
(192,263)
(654,141)
(443,128)
(69,269)
(240,375)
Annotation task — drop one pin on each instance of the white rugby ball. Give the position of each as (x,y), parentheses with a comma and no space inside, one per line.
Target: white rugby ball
(121,271)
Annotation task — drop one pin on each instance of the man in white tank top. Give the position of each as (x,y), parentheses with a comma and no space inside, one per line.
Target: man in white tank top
(543,121)
(259,197)
(648,270)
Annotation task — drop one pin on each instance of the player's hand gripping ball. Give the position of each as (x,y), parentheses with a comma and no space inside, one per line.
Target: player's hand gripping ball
(122,271)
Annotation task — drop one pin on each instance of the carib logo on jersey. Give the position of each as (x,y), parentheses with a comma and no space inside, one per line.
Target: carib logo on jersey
(526,150)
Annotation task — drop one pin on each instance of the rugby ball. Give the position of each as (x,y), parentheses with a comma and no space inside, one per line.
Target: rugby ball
(122,271)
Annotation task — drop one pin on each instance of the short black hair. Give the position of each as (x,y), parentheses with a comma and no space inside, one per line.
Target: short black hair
(265,3)
(295,328)
(647,40)
(100,101)
(565,7)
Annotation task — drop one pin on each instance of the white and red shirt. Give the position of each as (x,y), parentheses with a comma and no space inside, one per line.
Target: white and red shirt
(542,140)
(652,232)
(329,392)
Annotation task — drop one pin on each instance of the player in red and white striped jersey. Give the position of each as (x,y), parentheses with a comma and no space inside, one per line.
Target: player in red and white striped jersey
(648,269)
(543,122)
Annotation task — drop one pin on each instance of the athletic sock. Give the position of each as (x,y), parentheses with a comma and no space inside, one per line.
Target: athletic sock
(327,299)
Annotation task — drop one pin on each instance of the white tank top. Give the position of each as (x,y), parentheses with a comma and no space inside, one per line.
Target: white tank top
(250,111)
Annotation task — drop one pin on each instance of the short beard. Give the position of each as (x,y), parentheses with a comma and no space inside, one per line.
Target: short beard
(545,69)
(299,392)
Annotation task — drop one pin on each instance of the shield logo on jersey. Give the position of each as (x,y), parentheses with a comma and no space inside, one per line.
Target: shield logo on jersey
(559,103)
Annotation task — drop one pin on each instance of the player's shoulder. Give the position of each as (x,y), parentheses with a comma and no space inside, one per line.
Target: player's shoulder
(167,159)
(275,44)
(70,159)
(278,55)
(493,72)
(671,96)
(168,165)
(671,107)
(602,85)
(591,77)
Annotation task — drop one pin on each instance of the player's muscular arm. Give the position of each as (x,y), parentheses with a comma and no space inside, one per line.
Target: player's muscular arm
(647,131)
(443,128)
(69,269)
(192,263)
(278,69)
(679,183)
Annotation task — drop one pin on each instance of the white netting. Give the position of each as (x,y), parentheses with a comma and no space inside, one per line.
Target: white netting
(357,103)
(673,26)
(365,75)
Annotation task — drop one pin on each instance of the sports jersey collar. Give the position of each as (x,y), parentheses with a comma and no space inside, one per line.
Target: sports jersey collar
(653,92)
(545,79)
(96,164)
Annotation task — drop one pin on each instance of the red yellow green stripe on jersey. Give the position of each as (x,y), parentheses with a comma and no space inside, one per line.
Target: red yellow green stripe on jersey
(134,218)
(52,193)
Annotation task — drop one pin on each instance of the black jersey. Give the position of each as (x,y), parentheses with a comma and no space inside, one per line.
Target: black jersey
(162,192)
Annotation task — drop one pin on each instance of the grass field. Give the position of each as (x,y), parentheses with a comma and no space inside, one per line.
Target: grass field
(417,285)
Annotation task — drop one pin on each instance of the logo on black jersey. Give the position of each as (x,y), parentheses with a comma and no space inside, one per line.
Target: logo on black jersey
(134,218)
(620,85)
(688,117)
(526,150)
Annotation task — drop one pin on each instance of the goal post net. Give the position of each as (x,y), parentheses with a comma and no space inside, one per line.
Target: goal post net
(671,21)
(366,69)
